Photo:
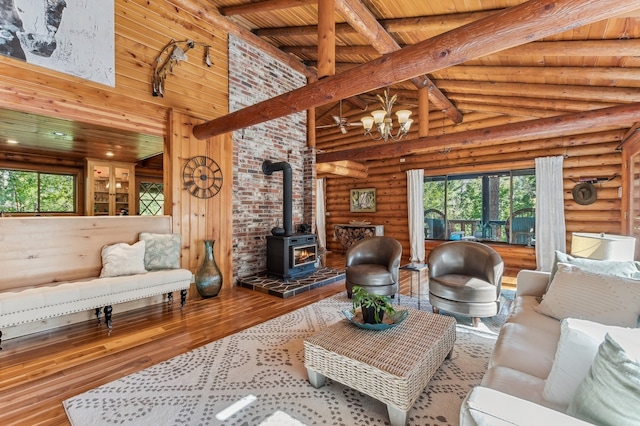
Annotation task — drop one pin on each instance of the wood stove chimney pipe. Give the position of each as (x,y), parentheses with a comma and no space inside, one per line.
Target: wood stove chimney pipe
(268,167)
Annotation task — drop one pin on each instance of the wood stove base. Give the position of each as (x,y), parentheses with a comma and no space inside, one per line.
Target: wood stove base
(264,283)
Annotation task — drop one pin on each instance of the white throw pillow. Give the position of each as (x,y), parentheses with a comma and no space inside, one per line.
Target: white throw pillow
(607,299)
(610,394)
(162,251)
(123,259)
(577,347)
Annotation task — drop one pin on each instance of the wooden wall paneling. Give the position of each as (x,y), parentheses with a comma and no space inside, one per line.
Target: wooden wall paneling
(198,219)
(142,30)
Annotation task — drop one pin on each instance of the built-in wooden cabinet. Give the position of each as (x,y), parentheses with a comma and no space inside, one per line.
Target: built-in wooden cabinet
(110,188)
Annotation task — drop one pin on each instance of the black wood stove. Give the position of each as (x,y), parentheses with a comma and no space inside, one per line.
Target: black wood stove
(289,255)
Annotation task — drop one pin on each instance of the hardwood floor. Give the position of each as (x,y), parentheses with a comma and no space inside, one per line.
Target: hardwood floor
(39,371)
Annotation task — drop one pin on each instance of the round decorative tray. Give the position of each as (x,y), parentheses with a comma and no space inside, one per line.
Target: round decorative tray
(387,322)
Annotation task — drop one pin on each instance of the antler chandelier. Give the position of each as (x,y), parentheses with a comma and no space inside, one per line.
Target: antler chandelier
(383,121)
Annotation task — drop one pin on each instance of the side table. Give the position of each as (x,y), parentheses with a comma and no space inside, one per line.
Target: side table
(416,269)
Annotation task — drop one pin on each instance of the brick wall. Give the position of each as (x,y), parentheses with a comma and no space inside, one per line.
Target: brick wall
(257,198)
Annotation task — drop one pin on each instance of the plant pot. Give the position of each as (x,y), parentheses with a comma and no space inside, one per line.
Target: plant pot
(208,278)
(369,314)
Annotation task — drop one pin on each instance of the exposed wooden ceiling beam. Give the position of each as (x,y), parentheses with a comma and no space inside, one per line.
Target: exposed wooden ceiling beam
(511,27)
(210,14)
(437,23)
(557,126)
(542,91)
(326,49)
(343,168)
(359,17)
(263,6)
(593,48)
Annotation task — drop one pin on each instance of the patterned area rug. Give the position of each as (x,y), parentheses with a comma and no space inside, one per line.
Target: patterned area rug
(268,361)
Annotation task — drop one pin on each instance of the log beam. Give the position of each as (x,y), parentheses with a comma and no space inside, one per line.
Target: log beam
(511,27)
(343,168)
(326,38)
(359,17)
(209,14)
(437,23)
(264,6)
(557,126)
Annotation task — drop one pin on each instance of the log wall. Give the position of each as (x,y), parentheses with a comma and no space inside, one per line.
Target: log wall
(587,155)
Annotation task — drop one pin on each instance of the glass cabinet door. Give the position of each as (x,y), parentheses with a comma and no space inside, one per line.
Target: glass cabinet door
(110,188)
(101,198)
(122,178)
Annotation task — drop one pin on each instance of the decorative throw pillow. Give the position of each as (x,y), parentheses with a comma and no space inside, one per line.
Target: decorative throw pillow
(577,347)
(122,259)
(610,394)
(607,299)
(162,251)
(619,268)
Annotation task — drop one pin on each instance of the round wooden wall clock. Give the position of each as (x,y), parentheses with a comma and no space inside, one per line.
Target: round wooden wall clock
(202,177)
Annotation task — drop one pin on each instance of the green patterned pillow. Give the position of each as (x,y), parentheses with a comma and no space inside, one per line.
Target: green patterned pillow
(162,251)
(610,394)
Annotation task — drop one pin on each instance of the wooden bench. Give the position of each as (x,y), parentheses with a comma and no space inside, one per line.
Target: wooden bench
(50,268)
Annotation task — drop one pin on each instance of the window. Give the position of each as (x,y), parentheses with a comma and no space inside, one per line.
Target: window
(37,192)
(151,198)
(497,206)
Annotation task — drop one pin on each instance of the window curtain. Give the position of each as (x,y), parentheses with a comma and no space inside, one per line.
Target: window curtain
(550,226)
(321,227)
(415,185)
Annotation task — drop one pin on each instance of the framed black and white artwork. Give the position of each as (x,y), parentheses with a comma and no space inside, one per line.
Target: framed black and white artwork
(71,36)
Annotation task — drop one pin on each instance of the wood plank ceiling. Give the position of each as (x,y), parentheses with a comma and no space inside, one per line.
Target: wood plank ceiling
(582,69)
(585,68)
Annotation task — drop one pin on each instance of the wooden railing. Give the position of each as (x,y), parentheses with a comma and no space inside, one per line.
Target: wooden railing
(469,227)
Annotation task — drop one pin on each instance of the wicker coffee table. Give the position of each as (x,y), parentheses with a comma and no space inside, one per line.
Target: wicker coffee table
(392,365)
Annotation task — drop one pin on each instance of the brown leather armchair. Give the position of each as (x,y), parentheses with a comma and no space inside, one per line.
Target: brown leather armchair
(373,263)
(465,277)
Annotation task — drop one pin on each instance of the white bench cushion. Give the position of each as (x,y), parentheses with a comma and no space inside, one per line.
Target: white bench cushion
(35,304)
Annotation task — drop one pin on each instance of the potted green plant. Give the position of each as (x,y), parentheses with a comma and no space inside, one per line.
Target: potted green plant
(373,306)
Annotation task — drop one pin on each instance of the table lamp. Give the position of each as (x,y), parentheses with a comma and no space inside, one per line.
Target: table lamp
(603,246)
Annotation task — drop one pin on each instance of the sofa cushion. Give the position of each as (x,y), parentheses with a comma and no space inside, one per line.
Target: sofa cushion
(610,394)
(488,407)
(162,251)
(619,268)
(578,345)
(519,384)
(463,288)
(38,303)
(123,259)
(577,293)
(369,275)
(529,348)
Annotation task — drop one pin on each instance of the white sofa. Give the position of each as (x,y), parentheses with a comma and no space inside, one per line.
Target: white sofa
(511,391)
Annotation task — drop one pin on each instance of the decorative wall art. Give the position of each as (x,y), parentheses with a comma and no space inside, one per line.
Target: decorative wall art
(71,36)
(363,200)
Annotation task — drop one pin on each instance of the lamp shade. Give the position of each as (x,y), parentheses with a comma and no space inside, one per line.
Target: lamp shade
(403,115)
(603,246)
(367,123)
(379,115)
